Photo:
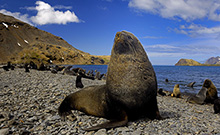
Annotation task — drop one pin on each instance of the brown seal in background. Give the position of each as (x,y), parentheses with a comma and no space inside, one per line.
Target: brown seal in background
(212,93)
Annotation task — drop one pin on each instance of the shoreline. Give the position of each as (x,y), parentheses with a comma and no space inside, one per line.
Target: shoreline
(29,102)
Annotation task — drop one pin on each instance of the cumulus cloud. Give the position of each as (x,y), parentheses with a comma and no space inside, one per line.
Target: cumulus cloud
(195,30)
(185,9)
(17,15)
(48,15)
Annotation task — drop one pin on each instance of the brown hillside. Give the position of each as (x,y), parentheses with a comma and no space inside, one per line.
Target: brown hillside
(187,62)
(21,42)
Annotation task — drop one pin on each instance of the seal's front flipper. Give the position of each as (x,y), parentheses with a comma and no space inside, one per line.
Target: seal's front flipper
(110,124)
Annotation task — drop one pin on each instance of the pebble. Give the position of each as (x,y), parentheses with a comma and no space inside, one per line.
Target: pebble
(29,103)
(4,131)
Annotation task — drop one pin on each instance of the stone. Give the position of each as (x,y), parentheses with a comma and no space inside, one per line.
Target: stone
(4,131)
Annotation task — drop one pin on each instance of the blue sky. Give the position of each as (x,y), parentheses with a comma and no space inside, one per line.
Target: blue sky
(168,29)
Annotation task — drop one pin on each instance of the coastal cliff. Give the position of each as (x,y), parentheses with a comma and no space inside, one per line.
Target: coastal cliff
(21,42)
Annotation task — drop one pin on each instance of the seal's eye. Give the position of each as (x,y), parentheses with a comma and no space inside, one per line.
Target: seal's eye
(129,37)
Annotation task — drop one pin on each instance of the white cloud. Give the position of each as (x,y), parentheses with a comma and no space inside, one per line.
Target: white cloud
(185,9)
(48,15)
(17,15)
(161,47)
(200,48)
(195,30)
(159,54)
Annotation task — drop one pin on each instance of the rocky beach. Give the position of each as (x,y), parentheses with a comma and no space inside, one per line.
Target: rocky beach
(29,103)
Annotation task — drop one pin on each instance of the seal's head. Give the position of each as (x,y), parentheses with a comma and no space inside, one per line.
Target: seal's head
(207,83)
(126,43)
(177,86)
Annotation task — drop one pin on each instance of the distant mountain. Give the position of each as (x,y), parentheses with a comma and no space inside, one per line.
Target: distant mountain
(21,42)
(187,62)
(213,60)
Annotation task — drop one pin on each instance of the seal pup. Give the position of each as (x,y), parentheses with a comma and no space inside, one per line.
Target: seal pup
(216,106)
(191,84)
(54,71)
(160,91)
(199,98)
(33,65)
(130,91)
(212,93)
(5,68)
(176,91)
(79,81)
(26,67)
(67,71)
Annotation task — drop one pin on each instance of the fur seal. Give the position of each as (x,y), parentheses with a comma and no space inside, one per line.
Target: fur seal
(130,91)
(26,66)
(176,91)
(67,71)
(131,80)
(191,84)
(5,68)
(217,106)
(160,91)
(9,66)
(79,81)
(33,65)
(93,100)
(59,68)
(199,98)
(212,93)
(54,71)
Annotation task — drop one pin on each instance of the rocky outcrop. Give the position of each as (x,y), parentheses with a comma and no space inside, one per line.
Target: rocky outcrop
(187,62)
(21,42)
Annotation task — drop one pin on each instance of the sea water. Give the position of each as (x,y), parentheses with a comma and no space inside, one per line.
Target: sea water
(182,75)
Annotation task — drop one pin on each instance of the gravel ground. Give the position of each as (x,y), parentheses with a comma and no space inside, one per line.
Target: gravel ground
(29,102)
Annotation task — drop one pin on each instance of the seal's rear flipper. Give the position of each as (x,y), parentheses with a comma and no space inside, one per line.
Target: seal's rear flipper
(110,124)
